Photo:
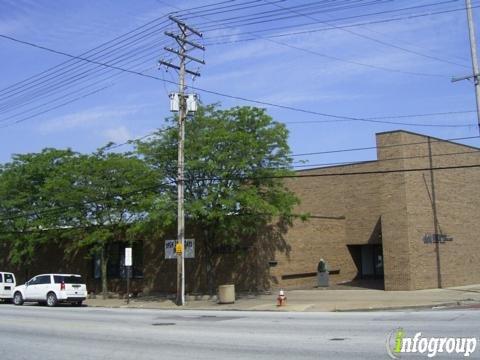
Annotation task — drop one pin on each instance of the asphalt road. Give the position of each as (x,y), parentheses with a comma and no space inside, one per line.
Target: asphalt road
(38,332)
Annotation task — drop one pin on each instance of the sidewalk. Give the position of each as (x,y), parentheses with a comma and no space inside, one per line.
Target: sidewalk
(315,300)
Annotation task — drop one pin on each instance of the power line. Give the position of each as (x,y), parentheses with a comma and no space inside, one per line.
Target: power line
(285,107)
(388,146)
(431,141)
(370,38)
(67,102)
(373,172)
(83,204)
(313,166)
(269,16)
(373,22)
(269,19)
(215,5)
(46,94)
(74,77)
(44,73)
(129,142)
(336,58)
(29,83)
(398,117)
(249,180)
(150,56)
(102,45)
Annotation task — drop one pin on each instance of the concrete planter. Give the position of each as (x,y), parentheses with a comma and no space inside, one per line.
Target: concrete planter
(226,294)
(323,279)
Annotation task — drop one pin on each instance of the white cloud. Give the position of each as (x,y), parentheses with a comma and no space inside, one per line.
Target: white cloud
(317,97)
(244,51)
(85,119)
(222,77)
(11,26)
(118,135)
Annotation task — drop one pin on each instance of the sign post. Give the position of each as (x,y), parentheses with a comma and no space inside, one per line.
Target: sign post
(128,266)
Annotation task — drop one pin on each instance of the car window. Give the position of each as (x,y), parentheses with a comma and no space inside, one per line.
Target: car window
(9,278)
(33,281)
(44,279)
(1,278)
(69,279)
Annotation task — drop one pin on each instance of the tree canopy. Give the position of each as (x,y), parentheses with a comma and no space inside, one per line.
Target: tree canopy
(25,208)
(234,163)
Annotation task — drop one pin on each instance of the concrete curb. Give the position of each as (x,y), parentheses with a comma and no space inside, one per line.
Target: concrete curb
(439,306)
(407,307)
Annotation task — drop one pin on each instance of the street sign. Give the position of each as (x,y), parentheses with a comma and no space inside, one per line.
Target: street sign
(128,256)
(171,247)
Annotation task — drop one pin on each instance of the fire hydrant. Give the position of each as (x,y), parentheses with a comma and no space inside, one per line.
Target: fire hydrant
(282,298)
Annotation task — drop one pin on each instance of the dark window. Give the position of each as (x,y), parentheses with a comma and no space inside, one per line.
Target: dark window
(33,281)
(9,278)
(1,278)
(44,279)
(68,279)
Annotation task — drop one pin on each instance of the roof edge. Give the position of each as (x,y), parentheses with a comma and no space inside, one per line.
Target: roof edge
(426,136)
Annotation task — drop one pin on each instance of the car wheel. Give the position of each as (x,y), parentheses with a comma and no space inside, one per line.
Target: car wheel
(51,299)
(18,298)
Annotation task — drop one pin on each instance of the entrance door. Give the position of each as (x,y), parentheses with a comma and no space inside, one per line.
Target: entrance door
(372,261)
(368,260)
(378,260)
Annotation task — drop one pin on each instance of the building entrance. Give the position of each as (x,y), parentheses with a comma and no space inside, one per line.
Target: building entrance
(368,260)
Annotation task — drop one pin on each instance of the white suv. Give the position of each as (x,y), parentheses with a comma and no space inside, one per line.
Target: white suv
(7,284)
(51,289)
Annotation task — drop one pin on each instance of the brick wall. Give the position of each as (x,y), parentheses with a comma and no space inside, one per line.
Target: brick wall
(399,205)
(391,207)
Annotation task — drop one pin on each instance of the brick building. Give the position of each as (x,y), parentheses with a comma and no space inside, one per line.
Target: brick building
(392,221)
(399,222)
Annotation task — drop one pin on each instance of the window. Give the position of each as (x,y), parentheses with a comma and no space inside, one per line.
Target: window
(67,279)
(9,278)
(1,278)
(33,281)
(44,279)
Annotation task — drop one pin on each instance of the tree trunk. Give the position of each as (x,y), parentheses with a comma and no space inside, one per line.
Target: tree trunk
(104,261)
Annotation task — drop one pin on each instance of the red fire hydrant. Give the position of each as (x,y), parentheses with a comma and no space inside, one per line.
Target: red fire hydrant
(282,298)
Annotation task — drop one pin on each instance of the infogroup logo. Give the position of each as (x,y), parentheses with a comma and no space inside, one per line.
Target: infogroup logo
(398,343)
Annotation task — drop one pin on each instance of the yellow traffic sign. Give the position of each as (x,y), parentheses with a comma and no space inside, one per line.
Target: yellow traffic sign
(179,248)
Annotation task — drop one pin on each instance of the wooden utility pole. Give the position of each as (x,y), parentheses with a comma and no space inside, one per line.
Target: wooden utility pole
(184,46)
(473,49)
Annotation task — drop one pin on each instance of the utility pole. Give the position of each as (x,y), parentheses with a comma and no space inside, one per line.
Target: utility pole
(179,103)
(473,49)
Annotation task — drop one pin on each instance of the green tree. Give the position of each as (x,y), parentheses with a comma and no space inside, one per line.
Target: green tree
(234,161)
(25,208)
(106,196)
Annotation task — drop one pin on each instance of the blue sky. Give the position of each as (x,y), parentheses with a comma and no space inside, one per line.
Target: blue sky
(359,71)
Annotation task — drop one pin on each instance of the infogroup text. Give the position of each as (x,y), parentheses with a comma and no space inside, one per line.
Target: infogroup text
(398,343)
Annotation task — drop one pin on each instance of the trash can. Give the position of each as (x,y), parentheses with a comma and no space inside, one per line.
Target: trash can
(226,294)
